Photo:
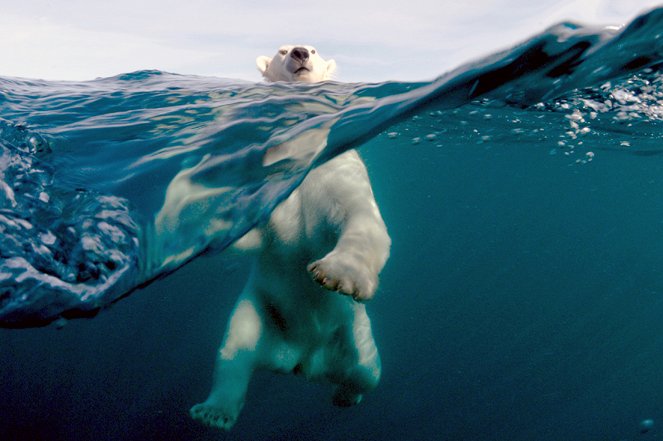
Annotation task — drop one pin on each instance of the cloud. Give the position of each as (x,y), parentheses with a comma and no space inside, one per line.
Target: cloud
(43,49)
(372,40)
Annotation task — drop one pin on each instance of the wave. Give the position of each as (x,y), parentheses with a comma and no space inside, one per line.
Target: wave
(109,184)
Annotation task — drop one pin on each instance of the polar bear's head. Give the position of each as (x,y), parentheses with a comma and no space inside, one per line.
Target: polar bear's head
(296,63)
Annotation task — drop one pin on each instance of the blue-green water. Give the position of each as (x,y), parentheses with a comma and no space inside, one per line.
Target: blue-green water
(523,296)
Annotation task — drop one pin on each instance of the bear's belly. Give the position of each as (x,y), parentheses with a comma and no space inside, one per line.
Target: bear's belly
(305,312)
(299,309)
(313,352)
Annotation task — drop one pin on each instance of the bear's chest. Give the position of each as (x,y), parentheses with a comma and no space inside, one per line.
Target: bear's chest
(300,230)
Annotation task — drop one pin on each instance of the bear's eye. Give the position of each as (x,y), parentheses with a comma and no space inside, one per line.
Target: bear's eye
(283,51)
(312,51)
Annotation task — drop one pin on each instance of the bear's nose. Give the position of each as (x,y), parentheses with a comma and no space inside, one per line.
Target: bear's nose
(299,54)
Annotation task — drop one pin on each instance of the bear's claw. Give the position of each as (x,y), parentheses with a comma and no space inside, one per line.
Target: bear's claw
(212,416)
(334,274)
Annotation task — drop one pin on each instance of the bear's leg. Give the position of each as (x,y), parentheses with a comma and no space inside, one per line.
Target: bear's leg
(362,248)
(360,373)
(234,366)
(352,267)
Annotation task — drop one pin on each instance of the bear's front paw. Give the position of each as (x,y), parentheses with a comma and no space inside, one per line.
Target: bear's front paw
(212,416)
(340,273)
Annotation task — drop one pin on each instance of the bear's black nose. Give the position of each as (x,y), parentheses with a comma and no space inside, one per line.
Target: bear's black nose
(299,54)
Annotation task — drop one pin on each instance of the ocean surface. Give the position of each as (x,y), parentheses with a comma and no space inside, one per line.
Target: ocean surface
(523,193)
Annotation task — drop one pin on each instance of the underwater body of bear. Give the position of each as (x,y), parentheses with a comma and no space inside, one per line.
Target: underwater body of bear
(328,235)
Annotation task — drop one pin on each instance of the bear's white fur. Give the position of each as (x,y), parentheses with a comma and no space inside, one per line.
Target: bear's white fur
(327,236)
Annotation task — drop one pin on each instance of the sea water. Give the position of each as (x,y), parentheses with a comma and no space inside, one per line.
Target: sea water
(522,192)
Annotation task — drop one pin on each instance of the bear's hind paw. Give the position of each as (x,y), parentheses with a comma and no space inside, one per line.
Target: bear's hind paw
(345,398)
(212,416)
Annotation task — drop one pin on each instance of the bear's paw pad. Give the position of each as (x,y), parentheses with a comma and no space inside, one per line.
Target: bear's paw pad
(212,416)
(338,274)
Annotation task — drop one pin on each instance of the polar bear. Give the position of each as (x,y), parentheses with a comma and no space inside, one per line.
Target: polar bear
(317,259)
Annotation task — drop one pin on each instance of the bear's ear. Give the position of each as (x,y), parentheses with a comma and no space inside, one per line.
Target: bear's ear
(263,63)
(331,68)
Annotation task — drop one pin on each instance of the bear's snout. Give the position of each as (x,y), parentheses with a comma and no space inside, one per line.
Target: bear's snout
(300,54)
(296,63)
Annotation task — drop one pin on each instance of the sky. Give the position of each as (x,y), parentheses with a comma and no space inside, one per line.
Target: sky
(370,40)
